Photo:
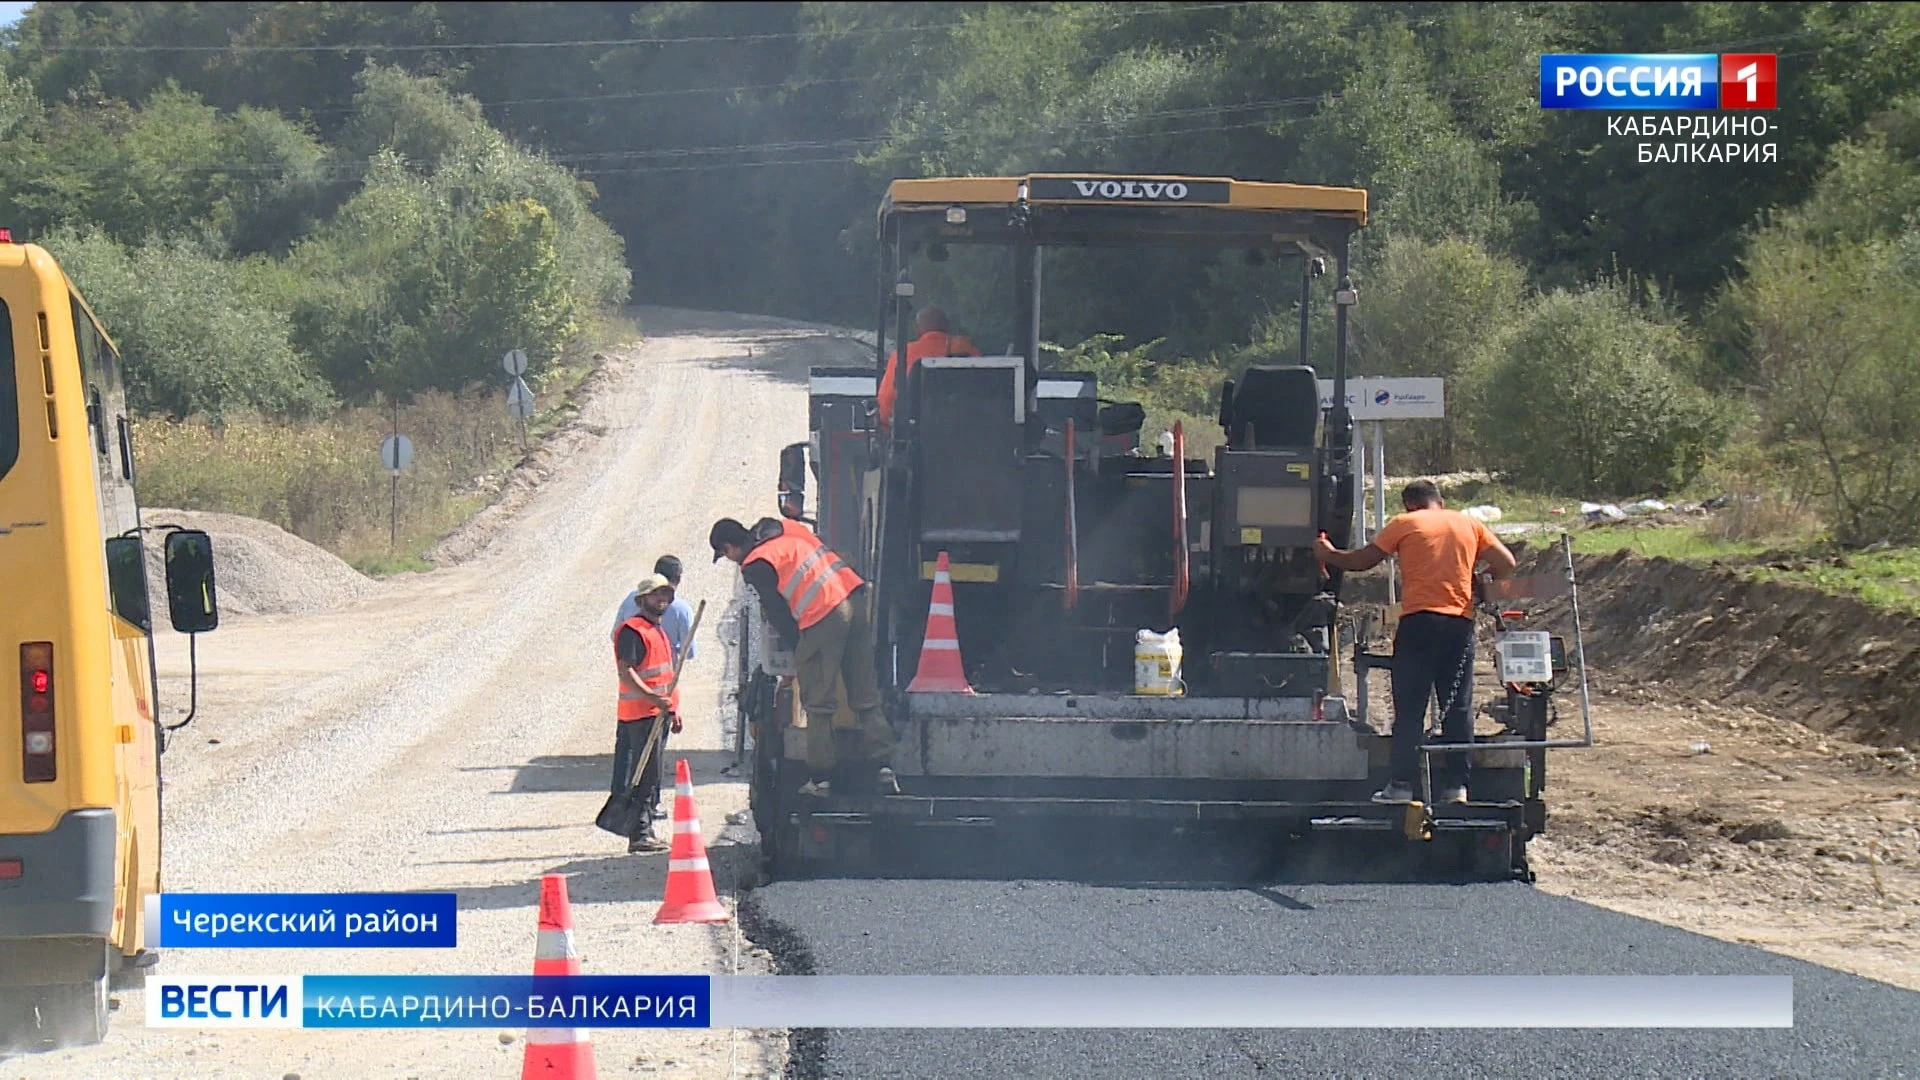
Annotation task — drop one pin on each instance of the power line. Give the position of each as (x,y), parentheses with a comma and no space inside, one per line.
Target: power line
(601,43)
(823,144)
(339,169)
(849,160)
(637,95)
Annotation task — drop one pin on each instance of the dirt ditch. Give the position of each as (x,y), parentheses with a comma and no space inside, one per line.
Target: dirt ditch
(1832,663)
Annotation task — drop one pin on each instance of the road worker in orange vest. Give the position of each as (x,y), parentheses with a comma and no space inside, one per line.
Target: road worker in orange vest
(649,695)
(823,611)
(936,338)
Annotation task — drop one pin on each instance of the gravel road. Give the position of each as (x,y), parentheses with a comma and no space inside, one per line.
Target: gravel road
(1843,1025)
(453,731)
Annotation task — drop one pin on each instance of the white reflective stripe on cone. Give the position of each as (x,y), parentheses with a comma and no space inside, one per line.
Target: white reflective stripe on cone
(683,790)
(555,1036)
(676,866)
(939,609)
(948,643)
(691,826)
(554,945)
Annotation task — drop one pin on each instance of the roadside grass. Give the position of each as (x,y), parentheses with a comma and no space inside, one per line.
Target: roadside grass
(324,482)
(1761,538)
(1681,543)
(1888,578)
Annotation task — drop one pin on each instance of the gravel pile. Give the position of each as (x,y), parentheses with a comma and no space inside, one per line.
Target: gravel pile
(258,567)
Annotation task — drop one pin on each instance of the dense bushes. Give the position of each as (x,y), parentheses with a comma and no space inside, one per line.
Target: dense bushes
(1586,396)
(1831,303)
(200,335)
(265,288)
(241,264)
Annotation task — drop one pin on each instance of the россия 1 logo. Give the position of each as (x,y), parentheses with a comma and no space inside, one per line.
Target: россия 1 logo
(1658,81)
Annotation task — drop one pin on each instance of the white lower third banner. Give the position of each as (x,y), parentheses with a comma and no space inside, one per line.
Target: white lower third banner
(1223,1001)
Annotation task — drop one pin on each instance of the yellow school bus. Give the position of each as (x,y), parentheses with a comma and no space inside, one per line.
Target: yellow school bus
(80,732)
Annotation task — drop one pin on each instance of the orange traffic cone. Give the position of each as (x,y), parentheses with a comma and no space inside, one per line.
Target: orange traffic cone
(690,897)
(556,1053)
(940,671)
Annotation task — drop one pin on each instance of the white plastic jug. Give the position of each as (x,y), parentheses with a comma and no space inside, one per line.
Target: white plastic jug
(1156,664)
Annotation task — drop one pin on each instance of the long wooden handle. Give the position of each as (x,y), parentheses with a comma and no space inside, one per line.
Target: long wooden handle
(660,722)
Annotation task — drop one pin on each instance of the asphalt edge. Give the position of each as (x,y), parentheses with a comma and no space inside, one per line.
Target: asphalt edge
(806,1047)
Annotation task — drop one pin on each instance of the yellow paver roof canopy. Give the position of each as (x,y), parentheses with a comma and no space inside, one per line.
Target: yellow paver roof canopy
(1222,193)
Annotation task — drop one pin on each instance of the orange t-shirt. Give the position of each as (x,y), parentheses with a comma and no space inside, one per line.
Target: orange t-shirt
(931,343)
(1438,549)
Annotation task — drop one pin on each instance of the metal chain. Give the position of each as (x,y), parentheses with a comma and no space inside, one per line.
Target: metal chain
(1459,677)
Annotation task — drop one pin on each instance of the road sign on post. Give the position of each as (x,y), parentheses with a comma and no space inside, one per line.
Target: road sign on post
(515,362)
(396,453)
(1391,399)
(520,406)
(520,399)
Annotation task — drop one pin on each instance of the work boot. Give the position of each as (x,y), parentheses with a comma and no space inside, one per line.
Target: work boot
(1455,793)
(1399,791)
(646,843)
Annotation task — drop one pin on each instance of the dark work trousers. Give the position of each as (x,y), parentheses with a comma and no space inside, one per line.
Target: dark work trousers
(1432,658)
(626,748)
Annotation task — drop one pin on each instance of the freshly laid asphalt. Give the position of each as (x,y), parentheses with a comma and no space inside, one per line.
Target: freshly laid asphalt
(1844,1026)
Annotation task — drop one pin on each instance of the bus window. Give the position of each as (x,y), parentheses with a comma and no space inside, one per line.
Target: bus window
(9,396)
(113,473)
(126,450)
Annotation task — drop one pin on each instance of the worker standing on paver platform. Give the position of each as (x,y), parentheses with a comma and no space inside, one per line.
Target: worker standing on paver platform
(823,611)
(1433,645)
(649,695)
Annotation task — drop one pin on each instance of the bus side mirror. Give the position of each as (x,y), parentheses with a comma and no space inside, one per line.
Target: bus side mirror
(793,480)
(191,604)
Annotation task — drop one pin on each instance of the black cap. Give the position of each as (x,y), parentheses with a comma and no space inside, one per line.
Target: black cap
(728,531)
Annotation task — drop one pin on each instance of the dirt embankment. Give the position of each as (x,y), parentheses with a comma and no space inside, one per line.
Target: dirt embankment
(1833,663)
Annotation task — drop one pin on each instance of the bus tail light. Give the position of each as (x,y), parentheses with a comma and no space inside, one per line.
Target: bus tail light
(36,712)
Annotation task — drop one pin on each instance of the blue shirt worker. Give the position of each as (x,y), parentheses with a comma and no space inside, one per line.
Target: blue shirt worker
(679,617)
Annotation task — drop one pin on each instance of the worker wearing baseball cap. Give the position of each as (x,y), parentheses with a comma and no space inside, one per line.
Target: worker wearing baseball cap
(823,612)
(649,696)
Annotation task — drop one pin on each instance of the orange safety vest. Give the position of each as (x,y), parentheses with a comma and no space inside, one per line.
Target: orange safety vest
(656,671)
(931,343)
(812,578)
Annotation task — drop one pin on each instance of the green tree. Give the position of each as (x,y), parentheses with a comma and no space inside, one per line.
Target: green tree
(1434,308)
(1585,398)
(1831,305)
(196,335)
